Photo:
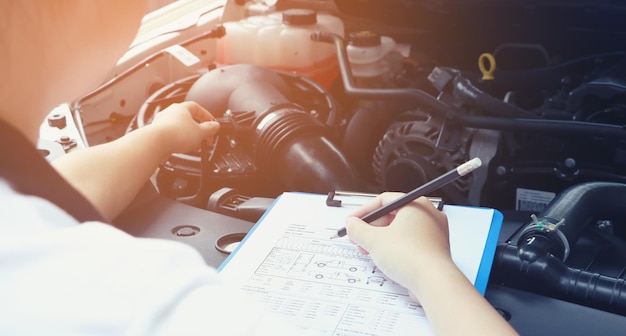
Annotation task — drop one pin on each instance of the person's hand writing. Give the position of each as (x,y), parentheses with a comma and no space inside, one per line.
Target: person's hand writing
(404,243)
(186,125)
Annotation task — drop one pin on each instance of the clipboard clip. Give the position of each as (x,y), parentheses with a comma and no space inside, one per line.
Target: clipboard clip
(332,201)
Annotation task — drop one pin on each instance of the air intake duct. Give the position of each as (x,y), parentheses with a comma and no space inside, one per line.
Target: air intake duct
(289,145)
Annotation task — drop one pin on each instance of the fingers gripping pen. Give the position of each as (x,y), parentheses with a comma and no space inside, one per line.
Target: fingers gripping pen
(420,191)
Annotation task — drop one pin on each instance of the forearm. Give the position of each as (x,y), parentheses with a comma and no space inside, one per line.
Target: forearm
(452,304)
(454,307)
(111,174)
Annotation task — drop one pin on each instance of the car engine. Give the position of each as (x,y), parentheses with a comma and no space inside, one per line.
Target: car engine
(394,94)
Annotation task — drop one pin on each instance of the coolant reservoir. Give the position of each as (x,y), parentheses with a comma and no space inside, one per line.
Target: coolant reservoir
(367,54)
(282,41)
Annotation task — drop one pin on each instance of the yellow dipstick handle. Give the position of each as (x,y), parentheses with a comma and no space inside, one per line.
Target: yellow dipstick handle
(487,65)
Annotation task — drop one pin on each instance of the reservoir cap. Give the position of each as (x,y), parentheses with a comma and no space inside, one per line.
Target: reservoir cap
(300,17)
(364,39)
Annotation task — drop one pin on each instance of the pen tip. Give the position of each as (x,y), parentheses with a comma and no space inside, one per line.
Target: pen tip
(334,236)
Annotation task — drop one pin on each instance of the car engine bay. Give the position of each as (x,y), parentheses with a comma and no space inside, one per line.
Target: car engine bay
(370,96)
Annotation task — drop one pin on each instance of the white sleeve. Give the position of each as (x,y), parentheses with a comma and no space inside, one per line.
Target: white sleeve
(63,278)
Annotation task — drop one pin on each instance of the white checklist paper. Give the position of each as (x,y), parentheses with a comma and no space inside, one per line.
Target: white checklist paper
(289,263)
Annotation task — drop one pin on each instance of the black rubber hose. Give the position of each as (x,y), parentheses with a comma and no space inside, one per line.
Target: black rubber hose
(549,276)
(360,149)
(291,147)
(468,92)
(577,207)
(369,93)
(536,263)
(440,109)
(561,127)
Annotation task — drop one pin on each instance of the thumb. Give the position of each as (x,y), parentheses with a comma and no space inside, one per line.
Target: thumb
(360,233)
(210,128)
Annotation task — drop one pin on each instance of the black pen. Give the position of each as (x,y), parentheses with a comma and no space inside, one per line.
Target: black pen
(431,186)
